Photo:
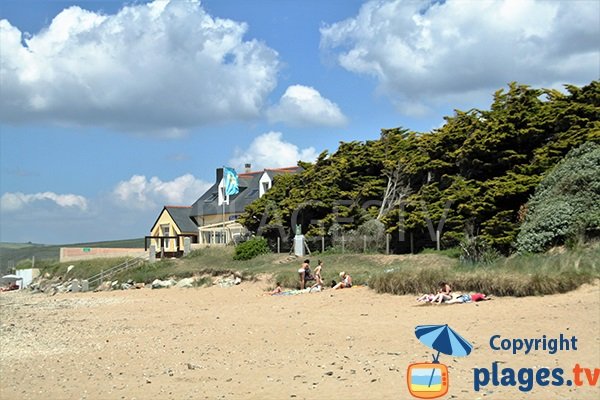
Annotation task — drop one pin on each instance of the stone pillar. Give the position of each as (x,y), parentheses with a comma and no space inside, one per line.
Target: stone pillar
(152,254)
(299,245)
(74,286)
(85,286)
(186,246)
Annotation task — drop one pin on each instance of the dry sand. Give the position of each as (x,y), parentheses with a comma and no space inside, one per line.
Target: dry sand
(236,343)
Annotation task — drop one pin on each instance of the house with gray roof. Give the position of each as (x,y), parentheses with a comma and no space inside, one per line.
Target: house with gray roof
(212,219)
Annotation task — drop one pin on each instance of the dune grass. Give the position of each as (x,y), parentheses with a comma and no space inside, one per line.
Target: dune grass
(523,275)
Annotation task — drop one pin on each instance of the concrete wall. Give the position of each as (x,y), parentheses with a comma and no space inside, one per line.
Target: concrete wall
(86,253)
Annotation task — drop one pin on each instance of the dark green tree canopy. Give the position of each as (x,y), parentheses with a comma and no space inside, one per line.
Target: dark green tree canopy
(477,171)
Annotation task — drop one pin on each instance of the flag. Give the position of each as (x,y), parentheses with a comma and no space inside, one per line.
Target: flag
(231,181)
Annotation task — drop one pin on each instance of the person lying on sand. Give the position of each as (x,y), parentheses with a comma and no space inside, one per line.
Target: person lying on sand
(426,298)
(345,283)
(467,298)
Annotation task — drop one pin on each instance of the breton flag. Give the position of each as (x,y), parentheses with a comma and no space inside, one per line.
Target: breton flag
(231,181)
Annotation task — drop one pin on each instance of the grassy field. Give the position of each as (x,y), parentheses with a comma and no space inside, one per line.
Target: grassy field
(396,274)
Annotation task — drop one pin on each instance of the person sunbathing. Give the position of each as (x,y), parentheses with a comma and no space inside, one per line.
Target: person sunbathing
(277,290)
(444,293)
(346,281)
(467,298)
(426,298)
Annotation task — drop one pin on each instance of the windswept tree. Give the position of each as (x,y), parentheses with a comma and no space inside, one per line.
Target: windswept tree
(471,176)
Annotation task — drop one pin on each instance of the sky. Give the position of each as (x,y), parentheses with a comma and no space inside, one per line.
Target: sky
(110,110)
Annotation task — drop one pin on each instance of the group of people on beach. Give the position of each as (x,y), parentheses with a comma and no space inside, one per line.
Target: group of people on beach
(306,275)
(444,295)
(444,292)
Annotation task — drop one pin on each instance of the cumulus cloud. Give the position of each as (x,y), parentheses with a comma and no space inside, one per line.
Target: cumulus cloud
(269,150)
(426,51)
(160,67)
(16,201)
(304,106)
(142,193)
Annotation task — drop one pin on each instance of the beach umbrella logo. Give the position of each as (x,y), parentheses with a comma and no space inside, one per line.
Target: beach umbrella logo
(429,380)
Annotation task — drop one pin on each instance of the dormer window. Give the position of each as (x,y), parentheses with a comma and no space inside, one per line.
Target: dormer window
(212,197)
(223,198)
(264,184)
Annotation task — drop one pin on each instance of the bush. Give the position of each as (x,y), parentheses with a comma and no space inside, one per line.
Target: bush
(475,250)
(354,240)
(251,248)
(566,204)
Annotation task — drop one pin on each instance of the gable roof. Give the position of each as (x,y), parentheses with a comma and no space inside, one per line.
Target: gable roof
(248,183)
(181,216)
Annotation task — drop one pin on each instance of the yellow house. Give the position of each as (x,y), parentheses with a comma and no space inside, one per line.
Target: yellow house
(212,219)
(171,228)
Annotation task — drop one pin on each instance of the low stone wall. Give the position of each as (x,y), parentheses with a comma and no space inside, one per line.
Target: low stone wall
(84,253)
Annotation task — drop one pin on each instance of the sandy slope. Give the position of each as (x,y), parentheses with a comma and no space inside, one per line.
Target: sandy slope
(237,343)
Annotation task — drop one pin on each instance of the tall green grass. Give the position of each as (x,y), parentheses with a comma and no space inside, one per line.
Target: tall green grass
(527,275)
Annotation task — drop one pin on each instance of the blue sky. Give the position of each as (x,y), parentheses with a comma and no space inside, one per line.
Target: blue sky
(110,110)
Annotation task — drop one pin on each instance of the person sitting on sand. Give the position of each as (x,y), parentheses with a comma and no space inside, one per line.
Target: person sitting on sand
(346,281)
(302,272)
(318,278)
(444,293)
(277,290)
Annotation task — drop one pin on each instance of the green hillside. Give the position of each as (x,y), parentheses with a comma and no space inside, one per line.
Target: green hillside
(11,254)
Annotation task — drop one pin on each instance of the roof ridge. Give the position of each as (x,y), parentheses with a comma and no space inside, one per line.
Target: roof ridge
(281,168)
(167,206)
(268,169)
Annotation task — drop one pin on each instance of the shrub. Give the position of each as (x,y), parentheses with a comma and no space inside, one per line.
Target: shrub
(566,204)
(251,248)
(475,250)
(354,240)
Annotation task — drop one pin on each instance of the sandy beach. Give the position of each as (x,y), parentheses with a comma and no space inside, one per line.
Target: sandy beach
(237,343)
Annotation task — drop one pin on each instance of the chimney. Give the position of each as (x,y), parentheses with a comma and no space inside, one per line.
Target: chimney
(219,174)
(247,167)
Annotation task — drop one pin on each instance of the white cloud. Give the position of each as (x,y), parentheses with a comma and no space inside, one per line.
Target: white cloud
(159,67)
(424,53)
(270,151)
(142,193)
(17,201)
(304,106)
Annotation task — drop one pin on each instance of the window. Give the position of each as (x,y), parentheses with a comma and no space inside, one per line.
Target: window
(212,197)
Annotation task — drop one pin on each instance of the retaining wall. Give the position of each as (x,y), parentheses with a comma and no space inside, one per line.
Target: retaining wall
(85,253)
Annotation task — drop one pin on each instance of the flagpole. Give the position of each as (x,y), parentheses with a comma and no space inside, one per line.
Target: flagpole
(223,214)
(230,186)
